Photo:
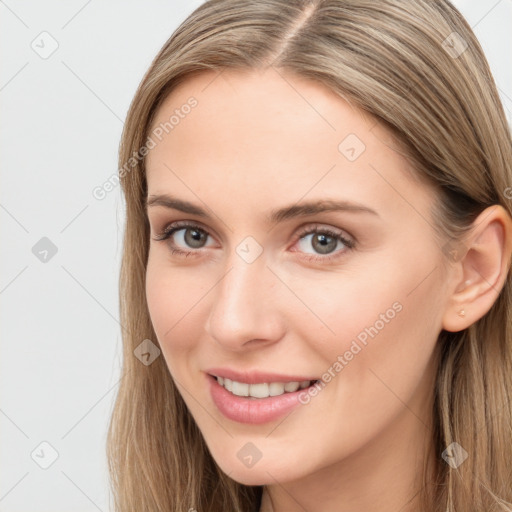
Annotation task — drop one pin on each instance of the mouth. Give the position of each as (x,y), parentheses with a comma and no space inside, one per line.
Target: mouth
(261,390)
(257,402)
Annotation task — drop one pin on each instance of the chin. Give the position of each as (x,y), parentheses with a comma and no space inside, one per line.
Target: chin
(260,473)
(249,477)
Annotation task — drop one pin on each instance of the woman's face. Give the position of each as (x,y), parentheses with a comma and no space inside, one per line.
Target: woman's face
(356,305)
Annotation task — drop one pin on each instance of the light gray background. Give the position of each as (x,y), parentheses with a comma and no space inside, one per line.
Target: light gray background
(61,124)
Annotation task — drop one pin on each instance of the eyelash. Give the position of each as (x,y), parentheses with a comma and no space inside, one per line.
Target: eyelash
(179,225)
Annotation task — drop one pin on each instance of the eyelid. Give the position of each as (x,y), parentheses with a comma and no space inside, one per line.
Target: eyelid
(302,230)
(306,229)
(181,224)
(322,227)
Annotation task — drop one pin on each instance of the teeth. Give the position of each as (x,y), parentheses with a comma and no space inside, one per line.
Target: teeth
(259,390)
(276,388)
(240,389)
(291,386)
(262,390)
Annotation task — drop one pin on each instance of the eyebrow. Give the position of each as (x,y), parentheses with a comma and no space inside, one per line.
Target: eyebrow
(278,215)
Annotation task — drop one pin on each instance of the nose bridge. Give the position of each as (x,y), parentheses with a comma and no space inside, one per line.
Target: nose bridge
(244,308)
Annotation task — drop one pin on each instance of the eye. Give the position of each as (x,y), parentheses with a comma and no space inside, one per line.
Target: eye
(184,235)
(324,241)
(187,238)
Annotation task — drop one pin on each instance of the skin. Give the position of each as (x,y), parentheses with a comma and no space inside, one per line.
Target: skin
(260,140)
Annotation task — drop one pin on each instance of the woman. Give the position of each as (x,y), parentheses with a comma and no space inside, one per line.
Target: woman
(315,284)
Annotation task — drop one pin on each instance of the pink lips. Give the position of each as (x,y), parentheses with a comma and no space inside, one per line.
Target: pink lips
(256,377)
(249,410)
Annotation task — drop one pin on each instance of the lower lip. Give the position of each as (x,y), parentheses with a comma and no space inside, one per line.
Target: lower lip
(247,410)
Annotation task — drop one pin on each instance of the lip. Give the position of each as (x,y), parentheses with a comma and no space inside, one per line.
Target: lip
(252,411)
(256,377)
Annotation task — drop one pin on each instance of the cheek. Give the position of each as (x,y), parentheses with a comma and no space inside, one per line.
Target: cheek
(382,322)
(378,358)
(159,296)
(346,307)
(171,298)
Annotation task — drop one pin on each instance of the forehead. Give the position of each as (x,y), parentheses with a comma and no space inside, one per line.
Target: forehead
(271,135)
(263,101)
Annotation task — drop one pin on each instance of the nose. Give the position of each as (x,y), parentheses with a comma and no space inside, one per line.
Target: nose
(245,312)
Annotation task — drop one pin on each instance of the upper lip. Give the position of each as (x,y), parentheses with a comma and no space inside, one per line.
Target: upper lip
(256,376)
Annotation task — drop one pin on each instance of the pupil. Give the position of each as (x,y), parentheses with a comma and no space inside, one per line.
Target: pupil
(326,243)
(194,238)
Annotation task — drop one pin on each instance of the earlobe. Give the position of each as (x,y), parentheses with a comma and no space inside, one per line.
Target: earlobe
(484,267)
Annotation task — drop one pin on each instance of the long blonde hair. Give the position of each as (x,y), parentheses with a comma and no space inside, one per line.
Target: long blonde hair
(406,63)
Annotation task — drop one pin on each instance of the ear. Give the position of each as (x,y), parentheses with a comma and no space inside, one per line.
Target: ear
(481,269)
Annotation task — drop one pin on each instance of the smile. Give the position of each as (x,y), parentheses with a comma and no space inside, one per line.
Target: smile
(262,390)
(258,402)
